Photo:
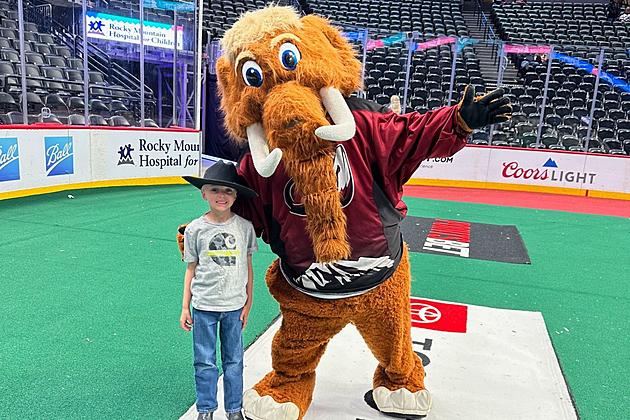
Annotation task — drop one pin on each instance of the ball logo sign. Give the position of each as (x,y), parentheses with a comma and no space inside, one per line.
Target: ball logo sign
(59,156)
(9,159)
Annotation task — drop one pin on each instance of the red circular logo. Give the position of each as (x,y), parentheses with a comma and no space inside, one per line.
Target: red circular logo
(425,313)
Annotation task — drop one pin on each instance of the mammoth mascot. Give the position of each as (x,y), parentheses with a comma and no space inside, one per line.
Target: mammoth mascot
(329,171)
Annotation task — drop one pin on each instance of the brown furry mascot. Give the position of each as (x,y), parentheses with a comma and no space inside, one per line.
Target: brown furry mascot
(329,171)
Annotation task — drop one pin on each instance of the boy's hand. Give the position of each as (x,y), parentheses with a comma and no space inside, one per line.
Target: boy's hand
(185,320)
(245,314)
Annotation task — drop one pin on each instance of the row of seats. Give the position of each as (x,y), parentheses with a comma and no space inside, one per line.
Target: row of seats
(427,17)
(577,30)
(63,107)
(386,68)
(219,15)
(55,78)
(16,117)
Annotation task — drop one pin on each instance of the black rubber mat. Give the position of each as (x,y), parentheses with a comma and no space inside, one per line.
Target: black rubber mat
(463,239)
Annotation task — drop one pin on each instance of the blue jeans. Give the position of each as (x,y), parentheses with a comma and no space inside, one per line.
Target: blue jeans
(206,370)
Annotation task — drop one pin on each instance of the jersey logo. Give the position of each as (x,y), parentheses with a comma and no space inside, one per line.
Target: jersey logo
(345,184)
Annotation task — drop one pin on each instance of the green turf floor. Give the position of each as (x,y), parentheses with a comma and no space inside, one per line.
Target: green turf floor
(91,295)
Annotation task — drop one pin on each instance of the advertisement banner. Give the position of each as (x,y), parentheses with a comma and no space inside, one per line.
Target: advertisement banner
(612,174)
(141,154)
(31,159)
(47,157)
(543,168)
(538,168)
(526,49)
(59,155)
(470,163)
(9,159)
(124,29)
(435,43)
(461,346)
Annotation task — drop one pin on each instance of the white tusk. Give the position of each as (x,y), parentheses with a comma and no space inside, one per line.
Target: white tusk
(344,127)
(264,162)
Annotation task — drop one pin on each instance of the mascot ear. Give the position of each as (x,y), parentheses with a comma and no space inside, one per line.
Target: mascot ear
(349,67)
(230,99)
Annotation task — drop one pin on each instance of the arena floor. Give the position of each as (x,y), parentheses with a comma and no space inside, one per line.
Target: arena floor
(91,292)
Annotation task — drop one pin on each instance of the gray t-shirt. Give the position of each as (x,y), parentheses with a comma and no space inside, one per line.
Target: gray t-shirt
(220,250)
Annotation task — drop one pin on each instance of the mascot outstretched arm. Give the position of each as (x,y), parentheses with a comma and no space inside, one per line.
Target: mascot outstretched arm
(329,171)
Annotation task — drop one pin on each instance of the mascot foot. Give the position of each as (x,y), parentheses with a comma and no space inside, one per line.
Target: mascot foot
(266,408)
(401,403)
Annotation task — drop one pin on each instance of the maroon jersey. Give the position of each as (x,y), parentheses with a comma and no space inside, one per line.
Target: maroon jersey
(371,169)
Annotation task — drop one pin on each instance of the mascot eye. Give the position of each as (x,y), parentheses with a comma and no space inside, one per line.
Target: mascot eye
(252,74)
(289,56)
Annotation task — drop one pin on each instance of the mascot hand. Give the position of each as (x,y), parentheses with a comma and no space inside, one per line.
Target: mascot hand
(394,104)
(488,109)
(180,239)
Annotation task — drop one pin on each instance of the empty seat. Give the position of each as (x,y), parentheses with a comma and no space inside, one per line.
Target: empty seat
(76,104)
(44,49)
(7,103)
(119,121)
(15,117)
(63,51)
(50,119)
(34,103)
(76,119)
(97,106)
(97,120)
(56,104)
(148,122)
(57,61)
(34,58)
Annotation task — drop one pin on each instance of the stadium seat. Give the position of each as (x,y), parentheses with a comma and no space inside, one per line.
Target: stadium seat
(119,121)
(97,120)
(56,104)
(76,119)
(97,106)
(148,122)
(50,119)
(7,103)
(34,103)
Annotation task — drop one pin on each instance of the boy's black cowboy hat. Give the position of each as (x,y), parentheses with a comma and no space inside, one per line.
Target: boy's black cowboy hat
(222,173)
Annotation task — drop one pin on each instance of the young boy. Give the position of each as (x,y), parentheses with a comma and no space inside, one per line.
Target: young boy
(218,248)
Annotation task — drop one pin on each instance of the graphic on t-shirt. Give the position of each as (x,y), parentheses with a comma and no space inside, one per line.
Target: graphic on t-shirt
(222,249)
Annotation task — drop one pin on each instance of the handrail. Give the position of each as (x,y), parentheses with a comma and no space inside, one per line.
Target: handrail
(488,33)
(99,60)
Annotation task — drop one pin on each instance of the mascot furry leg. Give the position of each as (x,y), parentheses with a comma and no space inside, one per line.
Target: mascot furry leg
(308,324)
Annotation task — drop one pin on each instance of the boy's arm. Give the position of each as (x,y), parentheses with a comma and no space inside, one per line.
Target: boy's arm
(249,291)
(185,320)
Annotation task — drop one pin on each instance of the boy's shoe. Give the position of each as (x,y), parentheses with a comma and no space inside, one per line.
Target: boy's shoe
(235,416)
(205,416)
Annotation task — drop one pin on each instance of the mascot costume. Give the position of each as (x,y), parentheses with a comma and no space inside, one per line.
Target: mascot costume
(329,170)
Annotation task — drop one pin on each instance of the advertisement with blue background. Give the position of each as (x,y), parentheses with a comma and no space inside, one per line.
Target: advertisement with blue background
(9,159)
(59,155)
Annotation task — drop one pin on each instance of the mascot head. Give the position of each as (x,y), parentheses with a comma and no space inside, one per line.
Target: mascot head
(280,74)
(282,80)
